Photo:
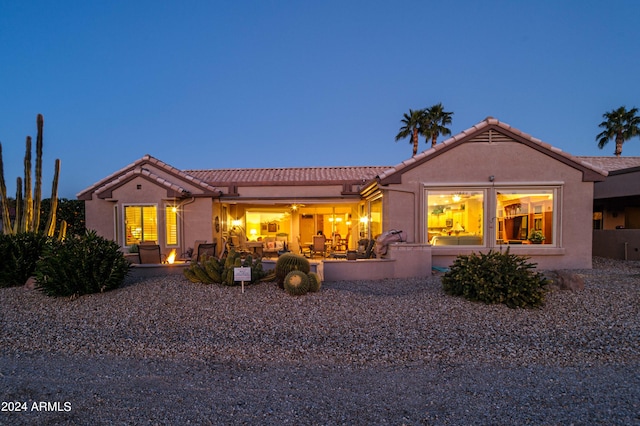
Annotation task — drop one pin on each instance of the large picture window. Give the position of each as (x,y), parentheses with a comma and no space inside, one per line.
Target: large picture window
(520,215)
(141,224)
(525,216)
(455,217)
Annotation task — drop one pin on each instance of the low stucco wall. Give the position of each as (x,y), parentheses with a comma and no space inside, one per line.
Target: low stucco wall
(403,260)
(155,270)
(545,258)
(331,270)
(617,243)
(357,270)
(411,260)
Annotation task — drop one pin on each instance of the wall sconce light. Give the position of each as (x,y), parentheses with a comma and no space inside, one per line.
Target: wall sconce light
(492,178)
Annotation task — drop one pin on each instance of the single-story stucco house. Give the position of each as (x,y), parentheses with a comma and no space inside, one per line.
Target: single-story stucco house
(488,187)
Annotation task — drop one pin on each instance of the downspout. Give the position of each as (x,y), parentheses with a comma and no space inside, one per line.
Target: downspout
(180,205)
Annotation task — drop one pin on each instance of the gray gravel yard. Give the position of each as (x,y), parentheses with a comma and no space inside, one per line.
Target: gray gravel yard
(166,351)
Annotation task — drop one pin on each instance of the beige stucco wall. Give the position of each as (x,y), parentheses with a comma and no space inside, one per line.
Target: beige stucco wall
(99,217)
(510,163)
(196,222)
(196,212)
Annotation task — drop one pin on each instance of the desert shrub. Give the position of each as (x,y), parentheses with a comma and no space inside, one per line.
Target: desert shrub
(496,277)
(290,262)
(81,265)
(296,283)
(19,254)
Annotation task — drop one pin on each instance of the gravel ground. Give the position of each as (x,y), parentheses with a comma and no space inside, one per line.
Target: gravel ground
(165,351)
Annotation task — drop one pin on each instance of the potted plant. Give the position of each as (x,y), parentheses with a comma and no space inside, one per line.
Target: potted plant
(536,237)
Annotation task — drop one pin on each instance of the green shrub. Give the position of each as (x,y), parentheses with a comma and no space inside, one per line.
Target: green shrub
(290,262)
(496,278)
(18,256)
(81,265)
(296,283)
(314,282)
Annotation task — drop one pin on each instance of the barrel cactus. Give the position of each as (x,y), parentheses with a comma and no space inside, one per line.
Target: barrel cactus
(296,283)
(314,282)
(290,262)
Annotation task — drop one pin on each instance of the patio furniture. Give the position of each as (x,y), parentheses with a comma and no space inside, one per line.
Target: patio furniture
(305,248)
(149,253)
(208,249)
(257,247)
(194,253)
(365,249)
(343,243)
(275,246)
(318,247)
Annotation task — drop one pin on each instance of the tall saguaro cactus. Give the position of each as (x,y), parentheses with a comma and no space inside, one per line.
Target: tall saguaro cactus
(28,206)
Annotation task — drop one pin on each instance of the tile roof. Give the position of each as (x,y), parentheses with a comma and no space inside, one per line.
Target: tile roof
(139,171)
(612,163)
(137,168)
(288,175)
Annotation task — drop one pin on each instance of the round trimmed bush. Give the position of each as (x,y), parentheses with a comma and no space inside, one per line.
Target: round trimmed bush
(296,283)
(314,282)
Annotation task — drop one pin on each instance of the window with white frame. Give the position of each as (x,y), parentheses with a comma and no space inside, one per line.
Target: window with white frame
(171,225)
(140,224)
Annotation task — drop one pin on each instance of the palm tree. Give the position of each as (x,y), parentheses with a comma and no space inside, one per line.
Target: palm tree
(436,120)
(413,125)
(620,125)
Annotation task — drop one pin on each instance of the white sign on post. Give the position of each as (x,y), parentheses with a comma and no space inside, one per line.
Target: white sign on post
(242,274)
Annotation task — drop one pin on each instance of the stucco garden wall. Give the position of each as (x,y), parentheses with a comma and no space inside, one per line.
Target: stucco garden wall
(617,243)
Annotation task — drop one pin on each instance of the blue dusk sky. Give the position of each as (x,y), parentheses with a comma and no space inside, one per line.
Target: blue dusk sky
(253,84)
